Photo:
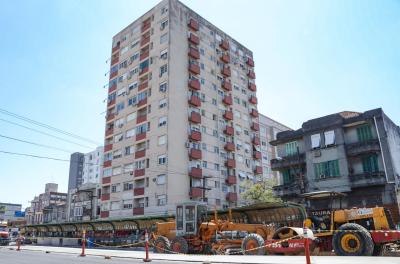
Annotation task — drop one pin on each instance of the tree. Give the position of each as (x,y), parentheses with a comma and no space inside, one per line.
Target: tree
(259,192)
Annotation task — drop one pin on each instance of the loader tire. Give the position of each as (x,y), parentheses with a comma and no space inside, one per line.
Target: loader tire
(352,240)
(253,244)
(179,245)
(162,245)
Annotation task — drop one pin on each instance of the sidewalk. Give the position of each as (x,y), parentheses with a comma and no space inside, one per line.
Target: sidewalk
(216,258)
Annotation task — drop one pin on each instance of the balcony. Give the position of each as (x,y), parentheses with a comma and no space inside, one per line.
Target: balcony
(106,180)
(104,214)
(138,211)
(195,100)
(231,179)
(107,164)
(143,85)
(142,102)
(253,100)
(194,84)
(196,192)
(225,58)
(194,39)
(228,115)
(195,135)
(257,155)
(144,41)
(258,170)
(113,74)
(256,141)
(284,190)
(196,173)
(254,113)
(250,62)
(110,117)
(114,60)
(105,197)
(193,24)
(111,102)
(140,154)
(252,87)
(230,163)
(226,71)
(195,154)
(251,75)
(114,49)
(141,118)
(367,179)
(226,85)
(255,126)
(140,136)
(194,68)
(289,161)
(144,55)
(144,70)
(139,172)
(146,26)
(229,130)
(112,88)
(194,53)
(229,146)
(227,100)
(109,132)
(195,117)
(231,197)
(108,147)
(224,44)
(371,146)
(138,191)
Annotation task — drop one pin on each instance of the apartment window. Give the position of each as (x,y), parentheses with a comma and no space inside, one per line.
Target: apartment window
(134,43)
(129,167)
(164,10)
(78,211)
(132,86)
(162,103)
(140,164)
(132,100)
(142,129)
(287,176)
(204,164)
(161,200)
(164,54)
(215,133)
(162,121)
(236,113)
(315,141)
(162,140)
(117,154)
(164,24)
(130,117)
(329,137)
(118,138)
(119,122)
(129,150)
(327,169)
(162,159)
(127,204)
(203,129)
(216,149)
(114,188)
(128,186)
(163,69)
(124,49)
(364,133)
(161,179)
(204,146)
(120,106)
(214,101)
(130,133)
(117,170)
(291,148)
(164,38)
(370,163)
(107,172)
(163,87)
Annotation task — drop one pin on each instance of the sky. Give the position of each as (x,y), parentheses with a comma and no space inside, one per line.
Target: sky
(312,58)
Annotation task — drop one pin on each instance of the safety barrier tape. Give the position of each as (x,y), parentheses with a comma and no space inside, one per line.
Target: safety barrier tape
(119,246)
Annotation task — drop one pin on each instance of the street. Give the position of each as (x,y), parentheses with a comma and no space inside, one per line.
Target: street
(63,255)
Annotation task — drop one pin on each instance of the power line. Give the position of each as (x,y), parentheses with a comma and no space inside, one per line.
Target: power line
(47,126)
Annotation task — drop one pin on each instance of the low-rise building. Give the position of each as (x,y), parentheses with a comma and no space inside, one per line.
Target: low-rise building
(10,212)
(84,203)
(350,152)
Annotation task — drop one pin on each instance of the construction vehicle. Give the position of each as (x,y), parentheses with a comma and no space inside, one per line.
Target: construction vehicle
(195,232)
(4,234)
(350,232)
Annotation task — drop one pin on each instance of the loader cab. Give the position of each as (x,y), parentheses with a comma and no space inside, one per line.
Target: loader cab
(188,218)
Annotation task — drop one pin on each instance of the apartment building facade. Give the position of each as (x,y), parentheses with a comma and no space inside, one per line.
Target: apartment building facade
(92,166)
(75,170)
(354,153)
(269,128)
(182,120)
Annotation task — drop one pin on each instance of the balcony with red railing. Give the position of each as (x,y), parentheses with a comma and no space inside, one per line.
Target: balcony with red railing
(230,163)
(225,58)
(254,113)
(144,55)
(195,153)
(226,71)
(140,136)
(229,130)
(231,197)
(144,70)
(140,154)
(106,180)
(109,132)
(113,74)
(108,147)
(228,115)
(227,100)
(143,85)
(252,87)
(138,211)
(253,100)
(139,172)
(250,62)
(255,126)
(195,135)
(226,85)
(111,102)
(231,179)
(142,102)
(194,39)
(114,49)
(196,192)
(251,74)
(112,88)
(195,100)
(229,146)
(114,60)
(107,164)
(104,214)
(258,170)
(194,68)
(196,173)
(144,41)
(105,197)
(195,117)
(146,25)
(194,53)
(138,191)
(256,141)
(110,117)
(257,155)
(193,24)
(224,44)
(141,118)
(194,84)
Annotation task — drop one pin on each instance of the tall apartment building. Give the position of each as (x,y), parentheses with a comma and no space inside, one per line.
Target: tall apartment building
(269,128)
(350,152)
(92,166)
(182,120)
(75,170)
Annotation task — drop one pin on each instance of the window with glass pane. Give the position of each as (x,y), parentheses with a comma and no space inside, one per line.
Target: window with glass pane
(364,133)
(327,169)
(291,148)
(370,163)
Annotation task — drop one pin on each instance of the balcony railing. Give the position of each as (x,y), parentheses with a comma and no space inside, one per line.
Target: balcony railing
(194,68)
(107,164)
(252,87)
(225,58)
(258,170)
(196,192)
(257,155)
(224,44)
(251,75)
(254,113)
(138,211)
(226,85)
(250,62)
(142,102)
(371,146)
(139,172)
(140,154)
(231,179)
(195,100)
(253,99)
(367,179)
(229,130)
(104,214)
(292,189)
(195,154)
(227,100)
(228,115)
(288,161)
(193,24)
(255,126)
(105,196)
(195,117)
(106,180)
(226,71)
(194,39)
(140,136)
(195,135)
(194,84)
(143,85)
(109,132)
(229,146)
(108,147)
(144,55)
(230,163)
(141,118)
(196,173)
(138,191)
(231,197)
(194,53)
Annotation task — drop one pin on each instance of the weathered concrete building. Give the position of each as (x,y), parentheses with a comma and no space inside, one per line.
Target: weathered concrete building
(84,203)
(350,152)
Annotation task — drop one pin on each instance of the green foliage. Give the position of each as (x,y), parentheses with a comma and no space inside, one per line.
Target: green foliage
(259,192)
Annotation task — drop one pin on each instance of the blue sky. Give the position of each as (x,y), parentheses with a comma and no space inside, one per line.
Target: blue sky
(312,58)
